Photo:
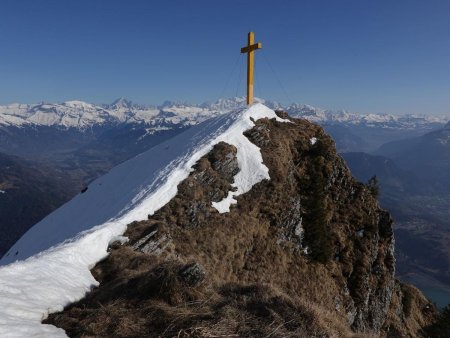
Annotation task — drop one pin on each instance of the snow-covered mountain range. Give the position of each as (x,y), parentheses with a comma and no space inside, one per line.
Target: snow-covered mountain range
(83,116)
(390,121)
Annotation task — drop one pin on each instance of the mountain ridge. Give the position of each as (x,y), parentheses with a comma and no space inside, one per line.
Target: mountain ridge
(111,206)
(83,115)
(203,208)
(232,273)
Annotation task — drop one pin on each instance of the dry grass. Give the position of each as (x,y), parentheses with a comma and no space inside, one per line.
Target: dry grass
(156,303)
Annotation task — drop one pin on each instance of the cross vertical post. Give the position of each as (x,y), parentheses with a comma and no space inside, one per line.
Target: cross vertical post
(250,50)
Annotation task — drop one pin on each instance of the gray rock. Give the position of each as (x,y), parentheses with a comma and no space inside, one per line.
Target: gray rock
(153,243)
(292,223)
(259,135)
(228,166)
(192,274)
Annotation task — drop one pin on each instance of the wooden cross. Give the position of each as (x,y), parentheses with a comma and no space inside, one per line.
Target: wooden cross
(250,50)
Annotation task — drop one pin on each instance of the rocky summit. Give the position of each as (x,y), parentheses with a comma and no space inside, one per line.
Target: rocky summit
(308,253)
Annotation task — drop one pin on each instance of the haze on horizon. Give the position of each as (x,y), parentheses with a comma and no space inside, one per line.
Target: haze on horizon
(363,56)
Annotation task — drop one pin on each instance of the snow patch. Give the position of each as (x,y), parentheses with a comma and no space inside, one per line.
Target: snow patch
(250,161)
(45,283)
(120,239)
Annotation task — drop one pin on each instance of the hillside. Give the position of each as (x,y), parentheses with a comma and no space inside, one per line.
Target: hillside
(428,156)
(394,181)
(423,217)
(246,224)
(29,191)
(421,223)
(306,253)
(218,243)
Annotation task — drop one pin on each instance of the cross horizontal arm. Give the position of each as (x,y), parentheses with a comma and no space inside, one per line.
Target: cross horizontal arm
(251,48)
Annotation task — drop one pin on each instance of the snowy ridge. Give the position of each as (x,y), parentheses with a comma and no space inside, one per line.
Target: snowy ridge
(76,236)
(82,115)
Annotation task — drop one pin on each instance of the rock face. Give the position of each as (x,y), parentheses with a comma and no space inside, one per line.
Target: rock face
(307,253)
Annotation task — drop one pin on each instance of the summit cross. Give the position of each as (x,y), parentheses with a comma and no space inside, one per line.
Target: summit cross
(250,50)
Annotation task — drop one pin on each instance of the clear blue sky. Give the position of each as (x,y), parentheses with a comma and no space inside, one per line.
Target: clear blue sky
(362,55)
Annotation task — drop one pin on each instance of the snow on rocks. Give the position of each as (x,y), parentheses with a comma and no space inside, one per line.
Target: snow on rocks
(61,249)
(249,157)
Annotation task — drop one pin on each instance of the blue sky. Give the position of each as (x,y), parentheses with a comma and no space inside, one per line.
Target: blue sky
(366,56)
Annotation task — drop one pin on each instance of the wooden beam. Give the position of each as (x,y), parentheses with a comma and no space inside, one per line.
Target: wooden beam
(250,68)
(251,48)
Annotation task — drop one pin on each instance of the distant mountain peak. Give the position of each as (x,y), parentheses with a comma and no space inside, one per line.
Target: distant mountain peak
(75,103)
(121,102)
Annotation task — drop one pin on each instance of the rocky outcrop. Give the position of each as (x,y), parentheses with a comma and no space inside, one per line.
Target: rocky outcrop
(154,243)
(307,253)
(192,274)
